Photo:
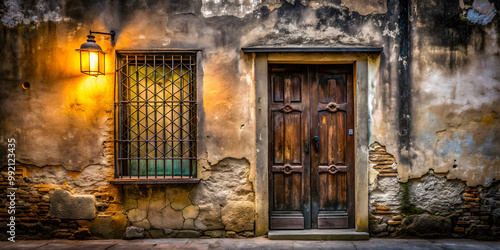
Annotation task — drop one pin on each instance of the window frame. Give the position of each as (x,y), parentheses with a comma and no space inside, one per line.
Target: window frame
(119,177)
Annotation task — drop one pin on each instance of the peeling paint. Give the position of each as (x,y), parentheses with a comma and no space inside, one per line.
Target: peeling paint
(366,7)
(382,163)
(19,12)
(482,12)
(90,177)
(238,8)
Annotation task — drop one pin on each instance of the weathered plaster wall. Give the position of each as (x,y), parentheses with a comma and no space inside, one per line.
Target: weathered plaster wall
(433,102)
(453,123)
(456,94)
(448,153)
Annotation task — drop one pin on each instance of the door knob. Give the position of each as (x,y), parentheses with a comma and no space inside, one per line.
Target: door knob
(316,143)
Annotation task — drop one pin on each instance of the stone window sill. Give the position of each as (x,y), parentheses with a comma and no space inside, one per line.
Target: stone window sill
(152,180)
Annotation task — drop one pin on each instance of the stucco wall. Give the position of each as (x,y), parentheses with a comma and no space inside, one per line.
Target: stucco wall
(434,103)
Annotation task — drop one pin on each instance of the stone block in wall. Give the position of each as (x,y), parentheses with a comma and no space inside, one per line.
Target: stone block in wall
(394,223)
(496,216)
(102,227)
(190,212)
(209,217)
(189,224)
(199,225)
(134,233)
(178,197)
(166,218)
(64,205)
(129,204)
(397,218)
(480,232)
(188,234)
(120,223)
(109,227)
(238,216)
(63,233)
(82,234)
(142,224)
(377,228)
(156,234)
(136,215)
(248,234)
(231,234)
(425,225)
(215,233)
(168,231)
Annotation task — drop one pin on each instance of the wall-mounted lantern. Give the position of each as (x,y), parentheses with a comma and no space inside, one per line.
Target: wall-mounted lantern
(91,55)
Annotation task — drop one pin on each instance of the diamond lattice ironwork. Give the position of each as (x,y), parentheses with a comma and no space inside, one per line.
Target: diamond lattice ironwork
(155,110)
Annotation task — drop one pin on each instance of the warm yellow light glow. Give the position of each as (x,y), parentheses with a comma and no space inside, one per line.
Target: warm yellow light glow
(85,62)
(88,99)
(94,61)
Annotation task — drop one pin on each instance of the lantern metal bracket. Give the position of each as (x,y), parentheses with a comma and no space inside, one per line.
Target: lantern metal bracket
(111,33)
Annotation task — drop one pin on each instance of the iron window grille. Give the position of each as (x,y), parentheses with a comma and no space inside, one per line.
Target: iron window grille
(155,116)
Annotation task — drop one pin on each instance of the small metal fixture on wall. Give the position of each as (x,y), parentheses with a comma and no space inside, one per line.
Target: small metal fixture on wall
(91,55)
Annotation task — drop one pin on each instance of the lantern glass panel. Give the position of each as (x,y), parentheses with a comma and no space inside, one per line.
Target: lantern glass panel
(92,62)
(101,63)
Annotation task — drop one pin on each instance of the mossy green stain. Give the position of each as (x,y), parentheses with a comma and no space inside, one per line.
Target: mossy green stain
(406,207)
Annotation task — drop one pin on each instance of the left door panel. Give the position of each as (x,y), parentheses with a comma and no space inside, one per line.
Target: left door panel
(288,129)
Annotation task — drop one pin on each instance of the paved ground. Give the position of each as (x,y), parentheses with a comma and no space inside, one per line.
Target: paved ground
(255,243)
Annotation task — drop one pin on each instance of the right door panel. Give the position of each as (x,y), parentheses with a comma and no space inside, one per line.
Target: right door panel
(332,129)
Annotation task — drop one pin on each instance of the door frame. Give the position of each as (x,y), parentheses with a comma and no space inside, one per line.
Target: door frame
(365,76)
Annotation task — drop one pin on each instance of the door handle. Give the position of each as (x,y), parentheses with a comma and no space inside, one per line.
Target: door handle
(316,143)
(307,147)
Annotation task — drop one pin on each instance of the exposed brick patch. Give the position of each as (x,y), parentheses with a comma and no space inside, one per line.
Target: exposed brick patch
(382,161)
(33,203)
(475,214)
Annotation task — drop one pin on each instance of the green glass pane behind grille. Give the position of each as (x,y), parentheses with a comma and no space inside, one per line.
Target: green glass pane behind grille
(160,170)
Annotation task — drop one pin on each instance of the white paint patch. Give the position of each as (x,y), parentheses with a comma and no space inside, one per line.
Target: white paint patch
(470,90)
(482,12)
(238,8)
(391,33)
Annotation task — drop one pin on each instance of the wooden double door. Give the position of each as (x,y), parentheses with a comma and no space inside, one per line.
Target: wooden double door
(311,144)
